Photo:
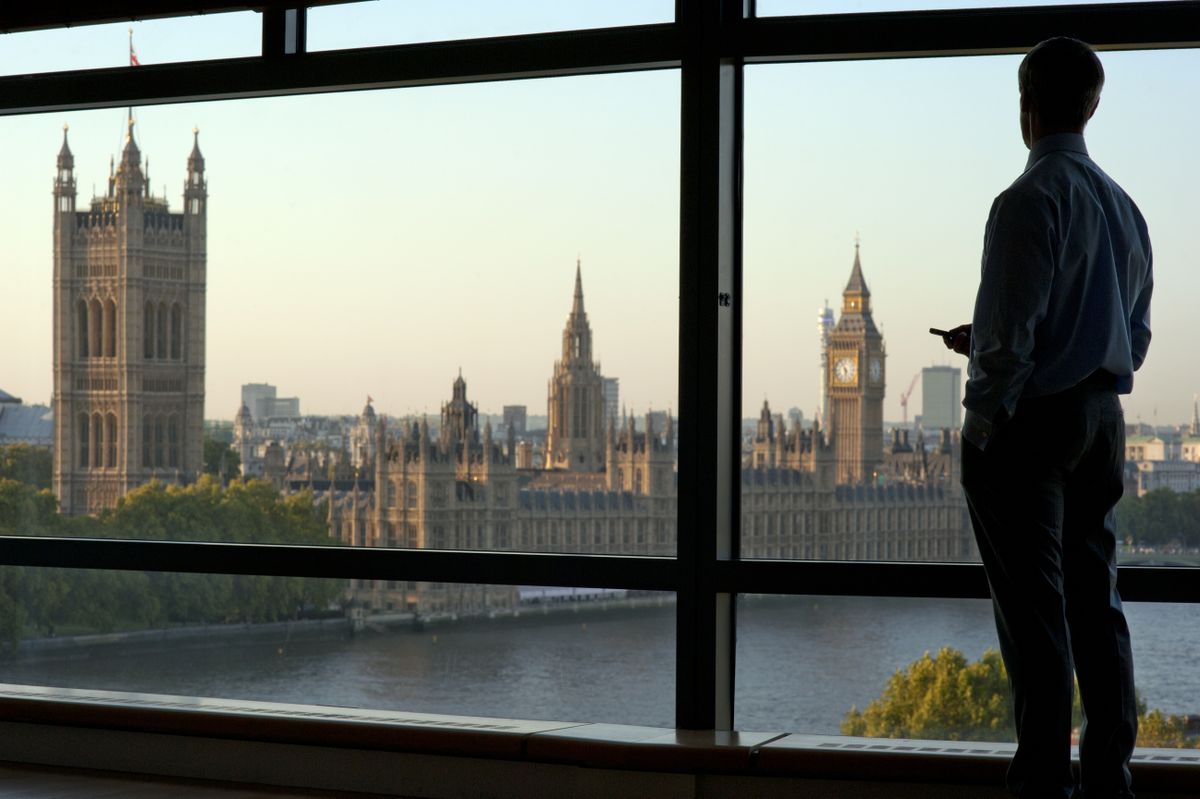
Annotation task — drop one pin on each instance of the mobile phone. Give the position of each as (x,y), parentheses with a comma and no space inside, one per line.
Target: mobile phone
(936,332)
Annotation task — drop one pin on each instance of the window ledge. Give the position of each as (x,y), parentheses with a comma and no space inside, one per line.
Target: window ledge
(777,755)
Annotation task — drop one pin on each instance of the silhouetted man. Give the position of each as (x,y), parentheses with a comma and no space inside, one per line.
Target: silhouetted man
(1062,320)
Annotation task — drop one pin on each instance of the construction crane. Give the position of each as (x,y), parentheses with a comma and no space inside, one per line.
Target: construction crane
(904,397)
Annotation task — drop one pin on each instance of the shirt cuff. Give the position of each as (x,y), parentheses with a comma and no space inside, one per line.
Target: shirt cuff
(976,429)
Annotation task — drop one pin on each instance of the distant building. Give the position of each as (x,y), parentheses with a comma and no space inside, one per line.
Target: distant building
(514,419)
(263,403)
(1164,459)
(129,291)
(1175,475)
(824,327)
(612,398)
(941,398)
(25,424)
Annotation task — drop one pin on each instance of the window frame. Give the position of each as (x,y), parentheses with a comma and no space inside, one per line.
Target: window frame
(709,43)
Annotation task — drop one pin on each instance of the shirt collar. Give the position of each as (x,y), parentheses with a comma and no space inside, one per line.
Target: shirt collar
(1068,142)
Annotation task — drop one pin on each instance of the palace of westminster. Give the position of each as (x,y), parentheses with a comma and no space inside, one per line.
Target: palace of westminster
(129,324)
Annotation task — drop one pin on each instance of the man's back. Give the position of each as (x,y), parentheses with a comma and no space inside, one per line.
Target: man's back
(1066,282)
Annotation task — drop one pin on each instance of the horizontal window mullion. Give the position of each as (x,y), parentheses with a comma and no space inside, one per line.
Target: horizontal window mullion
(936,580)
(34,16)
(982,31)
(365,563)
(541,55)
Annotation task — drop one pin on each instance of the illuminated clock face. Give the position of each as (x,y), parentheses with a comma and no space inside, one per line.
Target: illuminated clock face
(876,370)
(845,370)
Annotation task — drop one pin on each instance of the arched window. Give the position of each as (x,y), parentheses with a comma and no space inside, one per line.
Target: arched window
(82,313)
(410,493)
(162,330)
(84,439)
(176,331)
(97,440)
(148,333)
(158,441)
(173,441)
(110,329)
(110,440)
(95,327)
(147,442)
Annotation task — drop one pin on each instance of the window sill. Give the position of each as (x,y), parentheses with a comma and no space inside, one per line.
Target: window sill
(193,737)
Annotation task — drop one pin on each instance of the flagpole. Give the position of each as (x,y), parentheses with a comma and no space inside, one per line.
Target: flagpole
(133,62)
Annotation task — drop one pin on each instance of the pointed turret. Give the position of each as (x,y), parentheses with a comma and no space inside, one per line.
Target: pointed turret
(857,284)
(577,335)
(765,431)
(129,179)
(195,190)
(195,160)
(65,159)
(856,302)
(64,180)
(577,303)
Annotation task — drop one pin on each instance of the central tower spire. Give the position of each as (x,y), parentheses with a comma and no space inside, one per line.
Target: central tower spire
(575,438)
(577,335)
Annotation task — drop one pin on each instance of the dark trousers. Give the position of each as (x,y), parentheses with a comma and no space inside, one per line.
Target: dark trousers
(1041,499)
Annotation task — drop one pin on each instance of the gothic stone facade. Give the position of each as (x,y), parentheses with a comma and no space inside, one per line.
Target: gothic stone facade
(129,285)
(802,496)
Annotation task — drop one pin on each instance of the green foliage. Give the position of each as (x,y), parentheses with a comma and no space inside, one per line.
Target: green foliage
(942,697)
(945,697)
(42,601)
(220,457)
(1158,729)
(27,464)
(1160,518)
(26,509)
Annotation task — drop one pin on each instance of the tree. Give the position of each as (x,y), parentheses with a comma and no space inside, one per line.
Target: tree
(43,600)
(1157,729)
(220,457)
(26,509)
(945,697)
(27,464)
(1160,518)
(941,696)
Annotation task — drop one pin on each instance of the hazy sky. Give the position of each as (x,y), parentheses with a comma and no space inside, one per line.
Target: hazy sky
(376,242)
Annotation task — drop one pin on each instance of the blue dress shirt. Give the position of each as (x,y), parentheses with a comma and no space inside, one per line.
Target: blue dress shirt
(1065,289)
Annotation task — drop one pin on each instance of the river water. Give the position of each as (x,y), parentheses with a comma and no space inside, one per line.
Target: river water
(802,662)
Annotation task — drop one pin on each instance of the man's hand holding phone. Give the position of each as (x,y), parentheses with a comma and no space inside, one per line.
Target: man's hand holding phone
(956,338)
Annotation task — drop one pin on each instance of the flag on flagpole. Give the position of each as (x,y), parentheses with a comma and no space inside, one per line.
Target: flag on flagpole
(133,59)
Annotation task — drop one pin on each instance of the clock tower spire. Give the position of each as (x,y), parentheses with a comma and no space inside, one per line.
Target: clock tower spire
(855,383)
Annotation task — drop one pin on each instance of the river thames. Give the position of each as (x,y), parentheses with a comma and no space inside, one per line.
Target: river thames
(802,662)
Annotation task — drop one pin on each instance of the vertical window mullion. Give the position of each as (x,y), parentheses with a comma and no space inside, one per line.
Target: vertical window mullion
(710,268)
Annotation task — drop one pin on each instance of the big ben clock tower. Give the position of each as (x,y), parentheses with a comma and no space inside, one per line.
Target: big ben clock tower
(856,384)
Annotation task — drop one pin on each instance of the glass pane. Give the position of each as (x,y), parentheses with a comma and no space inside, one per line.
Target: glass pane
(773,8)
(155,41)
(805,663)
(438,318)
(534,653)
(859,163)
(403,21)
